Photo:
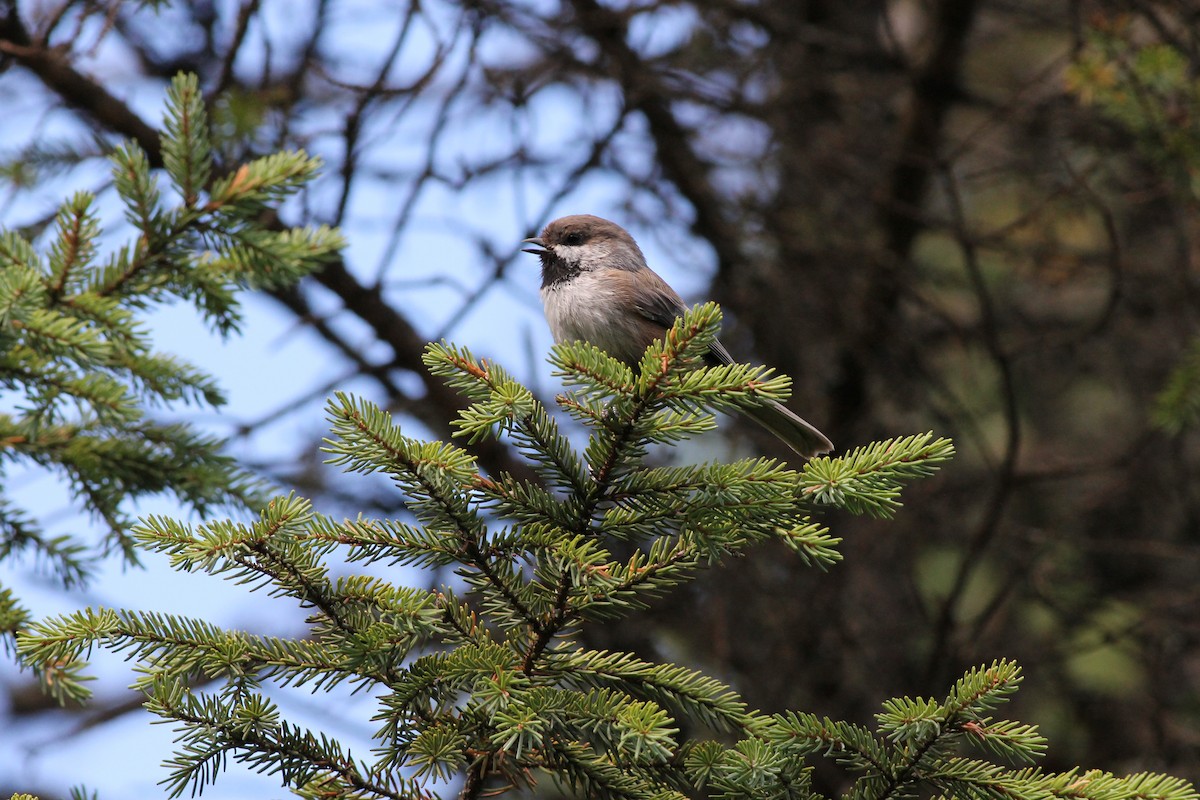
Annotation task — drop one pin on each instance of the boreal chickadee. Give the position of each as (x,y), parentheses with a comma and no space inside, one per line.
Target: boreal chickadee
(597,288)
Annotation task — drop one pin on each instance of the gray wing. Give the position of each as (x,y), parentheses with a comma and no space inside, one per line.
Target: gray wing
(663,306)
(659,305)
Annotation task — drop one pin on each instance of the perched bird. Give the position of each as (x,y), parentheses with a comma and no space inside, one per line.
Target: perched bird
(597,288)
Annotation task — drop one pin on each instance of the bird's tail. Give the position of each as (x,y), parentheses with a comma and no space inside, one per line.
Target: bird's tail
(793,431)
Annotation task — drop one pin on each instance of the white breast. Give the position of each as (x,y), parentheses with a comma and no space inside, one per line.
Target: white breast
(586,309)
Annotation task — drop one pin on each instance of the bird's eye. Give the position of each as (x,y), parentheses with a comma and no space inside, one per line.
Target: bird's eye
(573,239)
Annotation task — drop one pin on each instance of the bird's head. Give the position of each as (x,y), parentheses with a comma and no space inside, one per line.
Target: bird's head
(582,243)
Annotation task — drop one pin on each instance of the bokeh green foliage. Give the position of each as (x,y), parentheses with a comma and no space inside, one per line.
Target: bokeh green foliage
(1151,91)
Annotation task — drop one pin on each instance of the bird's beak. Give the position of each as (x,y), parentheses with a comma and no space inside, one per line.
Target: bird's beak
(537,241)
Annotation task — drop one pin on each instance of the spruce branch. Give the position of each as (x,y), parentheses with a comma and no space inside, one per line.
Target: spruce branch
(136,185)
(434,474)
(86,379)
(694,695)
(868,479)
(186,148)
(74,246)
(503,406)
(622,439)
(248,728)
(485,681)
(13,617)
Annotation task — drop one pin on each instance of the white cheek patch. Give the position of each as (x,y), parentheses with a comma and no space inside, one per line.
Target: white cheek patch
(598,250)
(571,256)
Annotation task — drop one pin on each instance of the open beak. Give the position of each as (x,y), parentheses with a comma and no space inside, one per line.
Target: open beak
(536,240)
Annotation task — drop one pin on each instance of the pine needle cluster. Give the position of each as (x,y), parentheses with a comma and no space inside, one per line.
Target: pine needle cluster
(77,363)
(485,684)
